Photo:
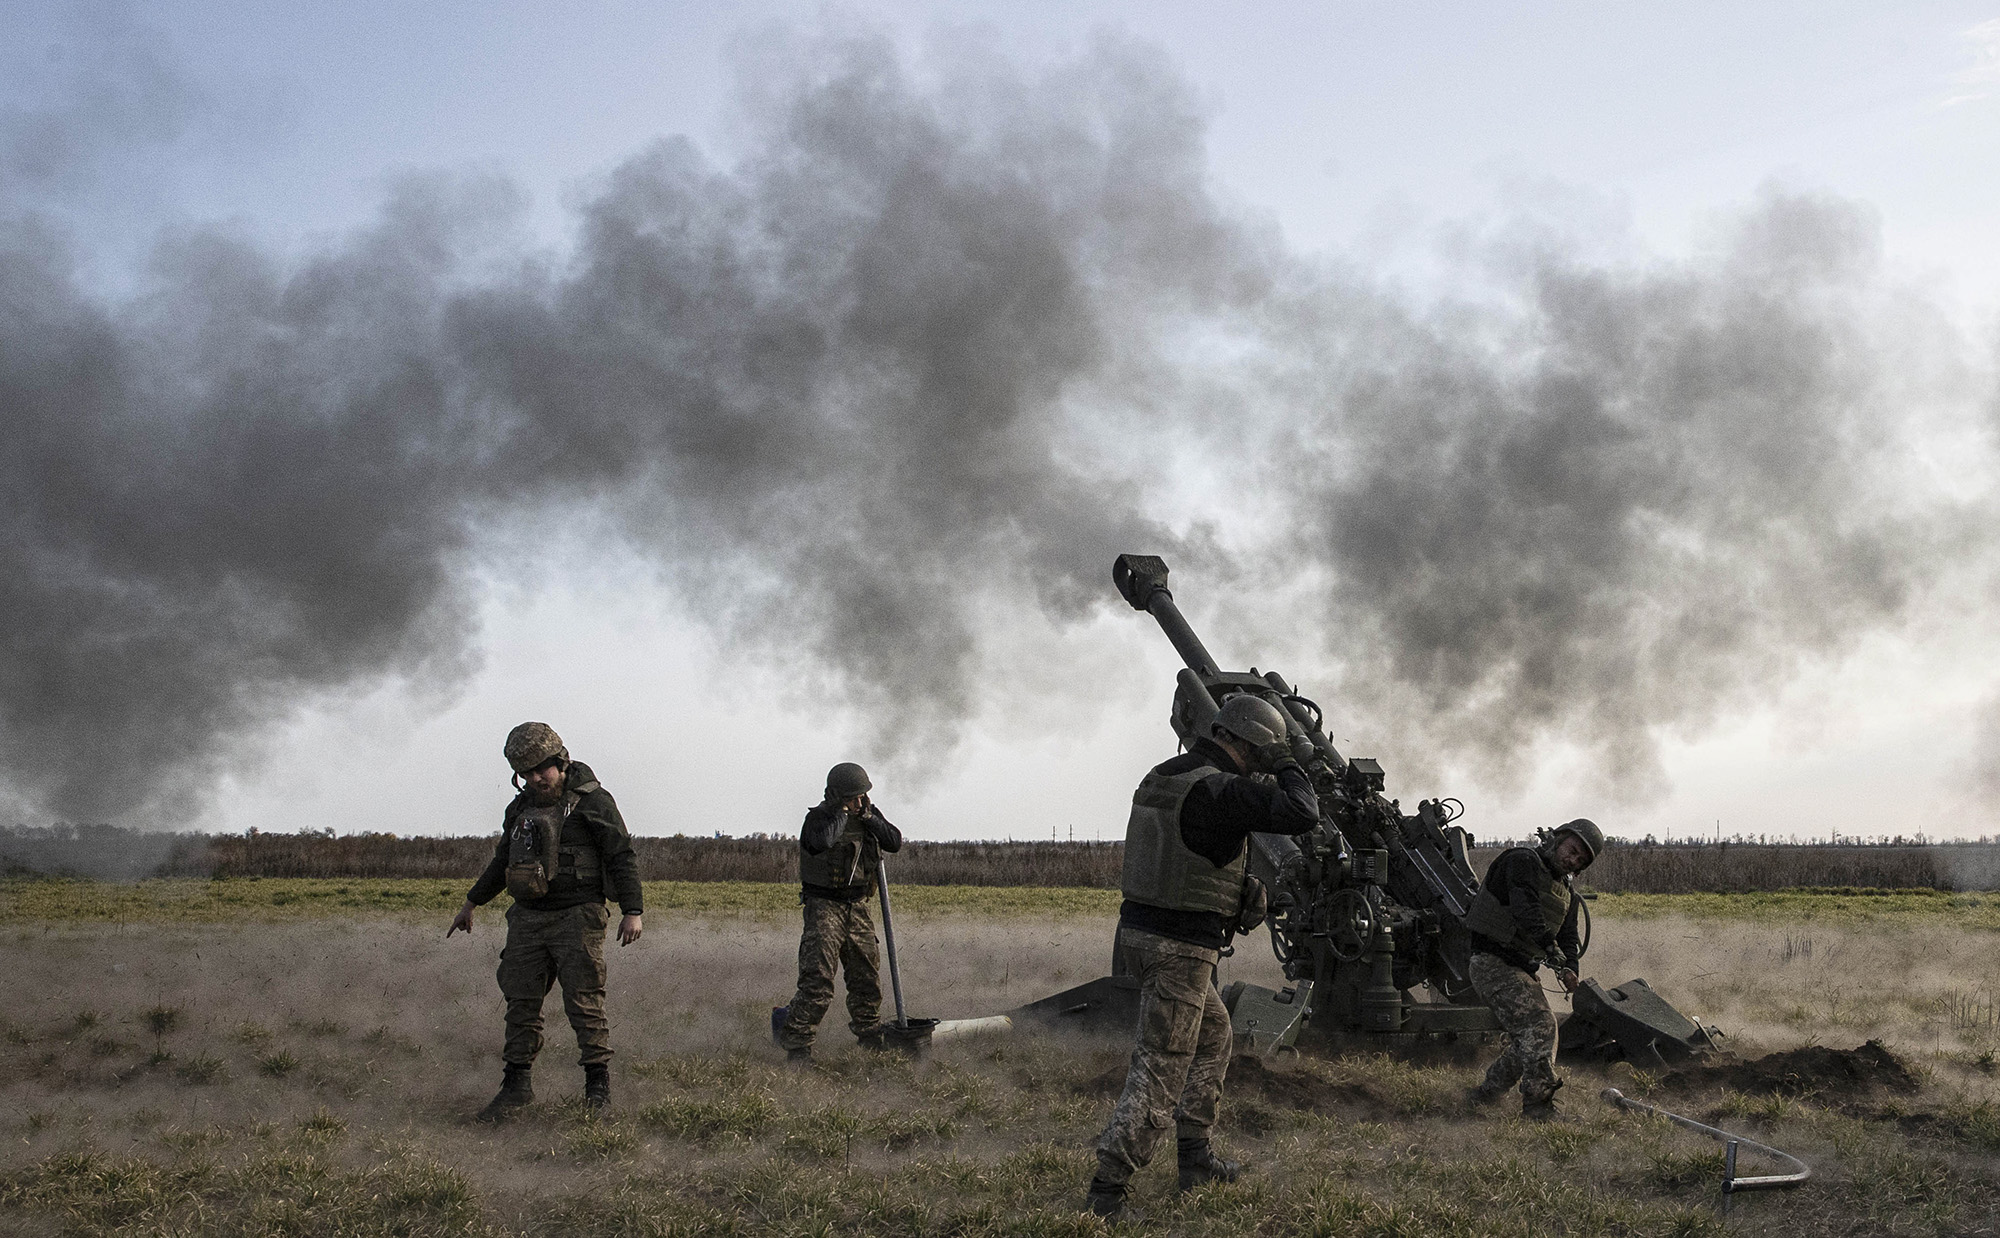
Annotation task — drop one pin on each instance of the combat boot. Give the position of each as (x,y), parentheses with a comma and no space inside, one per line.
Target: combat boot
(517,1091)
(1107,1202)
(1200,1164)
(596,1088)
(1539,1106)
(875,1040)
(798,1059)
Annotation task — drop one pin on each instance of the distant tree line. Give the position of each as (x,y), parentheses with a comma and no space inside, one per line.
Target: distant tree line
(111,852)
(1673,868)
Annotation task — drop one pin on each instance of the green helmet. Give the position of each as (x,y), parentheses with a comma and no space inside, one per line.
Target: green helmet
(847,780)
(1251,719)
(1586,832)
(532,744)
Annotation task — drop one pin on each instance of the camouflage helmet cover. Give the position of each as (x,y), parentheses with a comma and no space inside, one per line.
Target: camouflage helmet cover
(847,780)
(1251,719)
(532,744)
(1586,832)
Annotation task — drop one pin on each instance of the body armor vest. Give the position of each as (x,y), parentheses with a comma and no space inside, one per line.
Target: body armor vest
(544,846)
(1160,870)
(849,864)
(1489,917)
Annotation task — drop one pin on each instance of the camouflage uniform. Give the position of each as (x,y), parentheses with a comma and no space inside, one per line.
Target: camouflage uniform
(1186,851)
(1524,915)
(839,854)
(559,938)
(836,934)
(544,947)
(1183,1053)
(1517,1001)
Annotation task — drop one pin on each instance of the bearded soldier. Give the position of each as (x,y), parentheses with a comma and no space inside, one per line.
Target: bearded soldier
(840,848)
(1186,891)
(562,847)
(1525,916)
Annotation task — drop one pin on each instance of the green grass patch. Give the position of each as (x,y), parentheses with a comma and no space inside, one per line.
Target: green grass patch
(195,900)
(278,1064)
(1856,907)
(283,1192)
(708,1122)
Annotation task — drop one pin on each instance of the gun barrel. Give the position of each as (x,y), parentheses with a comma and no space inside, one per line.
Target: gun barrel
(1142,579)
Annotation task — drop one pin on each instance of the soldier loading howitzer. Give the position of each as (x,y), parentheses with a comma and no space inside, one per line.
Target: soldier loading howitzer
(1187,891)
(1364,908)
(1367,910)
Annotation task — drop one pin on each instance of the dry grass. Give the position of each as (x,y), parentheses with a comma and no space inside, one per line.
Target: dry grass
(314,1075)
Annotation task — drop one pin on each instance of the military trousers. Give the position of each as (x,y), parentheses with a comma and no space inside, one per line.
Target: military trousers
(546,948)
(1175,1079)
(1517,1001)
(839,936)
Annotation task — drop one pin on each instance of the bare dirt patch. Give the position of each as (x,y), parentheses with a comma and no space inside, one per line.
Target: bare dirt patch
(1832,1076)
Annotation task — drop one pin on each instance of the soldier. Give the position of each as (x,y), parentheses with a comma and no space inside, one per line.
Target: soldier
(840,848)
(1524,916)
(562,846)
(1186,891)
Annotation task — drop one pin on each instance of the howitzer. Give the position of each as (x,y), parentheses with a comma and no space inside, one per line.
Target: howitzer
(1367,912)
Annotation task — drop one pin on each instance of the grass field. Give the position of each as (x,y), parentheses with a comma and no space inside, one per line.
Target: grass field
(195,900)
(192,899)
(258,1057)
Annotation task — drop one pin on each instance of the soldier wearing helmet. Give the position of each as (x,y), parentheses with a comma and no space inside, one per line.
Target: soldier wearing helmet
(840,848)
(562,848)
(1525,916)
(1187,890)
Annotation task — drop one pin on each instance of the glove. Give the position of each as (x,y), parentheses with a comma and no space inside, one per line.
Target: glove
(875,823)
(1255,904)
(1275,755)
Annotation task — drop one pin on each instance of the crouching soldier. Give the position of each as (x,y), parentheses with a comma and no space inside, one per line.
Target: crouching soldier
(1186,886)
(840,848)
(562,846)
(1525,916)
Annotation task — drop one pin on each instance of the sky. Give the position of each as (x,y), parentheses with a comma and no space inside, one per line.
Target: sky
(1231,261)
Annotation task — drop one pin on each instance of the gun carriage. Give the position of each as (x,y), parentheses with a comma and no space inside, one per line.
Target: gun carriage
(1366,913)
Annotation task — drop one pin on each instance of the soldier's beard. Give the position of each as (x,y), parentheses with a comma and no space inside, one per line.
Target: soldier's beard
(543,799)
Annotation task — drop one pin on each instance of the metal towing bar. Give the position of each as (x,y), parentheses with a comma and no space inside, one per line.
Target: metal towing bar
(1731,1184)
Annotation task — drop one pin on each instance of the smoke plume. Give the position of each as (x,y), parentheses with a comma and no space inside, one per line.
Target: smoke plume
(1637,498)
(851,395)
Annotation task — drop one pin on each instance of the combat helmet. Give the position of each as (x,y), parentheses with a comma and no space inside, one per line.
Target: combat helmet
(532,744)
(1586,832)
(847,780)
(1251,719)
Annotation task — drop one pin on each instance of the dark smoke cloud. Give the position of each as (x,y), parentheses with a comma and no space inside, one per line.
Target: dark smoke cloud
(845,395)
(824,389)
(1641,498)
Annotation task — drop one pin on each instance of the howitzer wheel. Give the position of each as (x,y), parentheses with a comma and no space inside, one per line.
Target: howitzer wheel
(1350,925)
